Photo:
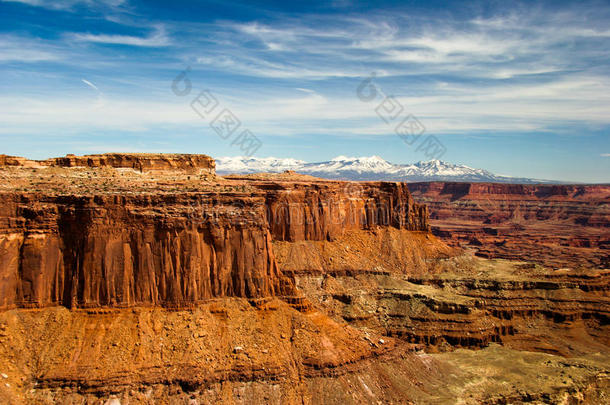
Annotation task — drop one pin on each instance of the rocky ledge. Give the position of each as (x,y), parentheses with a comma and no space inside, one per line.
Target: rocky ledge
(137,161)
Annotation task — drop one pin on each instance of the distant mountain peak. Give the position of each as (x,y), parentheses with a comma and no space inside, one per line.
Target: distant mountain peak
(366,168)
(373,158)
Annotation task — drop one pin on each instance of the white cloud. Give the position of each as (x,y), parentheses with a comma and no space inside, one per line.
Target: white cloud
(158,39)
(454,109)
(18,49)
(524,43)
(8,54)
(67,4)
(127,114)
(88,83)
(507,74)
(256,66)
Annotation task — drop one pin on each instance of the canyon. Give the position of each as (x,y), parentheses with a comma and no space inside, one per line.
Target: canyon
(555,225)
(137,278)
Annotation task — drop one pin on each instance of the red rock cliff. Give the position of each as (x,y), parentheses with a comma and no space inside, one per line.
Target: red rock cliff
(326,210)
(559,225)
(132,250)
(143,240)
(139,161)
(192,163)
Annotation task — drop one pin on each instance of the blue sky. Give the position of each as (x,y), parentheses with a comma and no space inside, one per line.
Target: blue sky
(520,89)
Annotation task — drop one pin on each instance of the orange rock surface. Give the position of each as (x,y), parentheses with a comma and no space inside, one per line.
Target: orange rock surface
(114,242)
(137,161)
(555,225)
(131,278)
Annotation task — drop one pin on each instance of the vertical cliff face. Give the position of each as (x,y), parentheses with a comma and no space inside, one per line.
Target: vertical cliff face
(139,250)
(327,210)
(14,161)
(80,234)
(99,243)
(139,161)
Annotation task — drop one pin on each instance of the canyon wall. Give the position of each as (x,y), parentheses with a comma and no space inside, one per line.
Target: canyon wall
(6,160)
(558,225)
(142,162)
(522,307)
(132,250)
(91,245)
(325,210)
(172,287)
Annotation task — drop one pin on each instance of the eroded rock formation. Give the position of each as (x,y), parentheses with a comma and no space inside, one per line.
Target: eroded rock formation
(6,160)
(324,210)
(142,162)
(163,283)
(555,225)
(139,161)
(524,307)
(91,246)
(132,250)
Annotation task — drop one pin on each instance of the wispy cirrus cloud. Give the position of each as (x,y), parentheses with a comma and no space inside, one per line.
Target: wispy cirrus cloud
(26,49)
(88,83)
(522,43)
(490,77)
(158,38)
(67,4)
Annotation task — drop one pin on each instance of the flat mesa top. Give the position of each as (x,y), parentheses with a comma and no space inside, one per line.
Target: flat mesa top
(55,180)
(142,154)
(288,175)
(90,181)
(123,154)
(109,158)
(108,173)
(143,173)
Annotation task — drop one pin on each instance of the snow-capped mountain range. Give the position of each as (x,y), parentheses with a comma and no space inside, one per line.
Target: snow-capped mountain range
(365,168)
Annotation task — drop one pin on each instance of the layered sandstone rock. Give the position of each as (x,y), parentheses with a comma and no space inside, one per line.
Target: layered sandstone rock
(132,250)
(379,250)
(151,355)
(15,161)
(143,162)
(324,210)
(96,240)
(559,225)
(103,239)
(231,352)
(471,305)
(272,289)
(140,161)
